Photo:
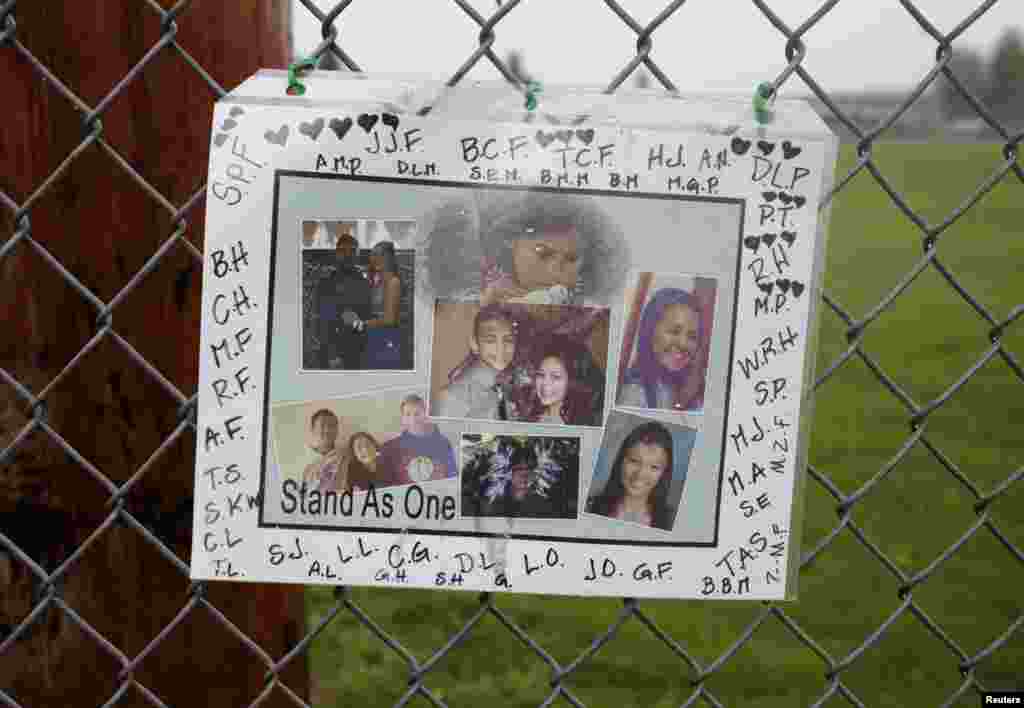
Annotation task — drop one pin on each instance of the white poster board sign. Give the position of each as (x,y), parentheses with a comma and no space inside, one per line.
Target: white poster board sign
(479,348)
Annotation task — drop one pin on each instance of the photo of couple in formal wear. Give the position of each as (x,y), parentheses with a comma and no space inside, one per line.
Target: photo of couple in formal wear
(354,446)
(356,303)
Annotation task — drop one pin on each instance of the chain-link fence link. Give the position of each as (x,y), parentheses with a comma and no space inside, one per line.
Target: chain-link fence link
(32,548)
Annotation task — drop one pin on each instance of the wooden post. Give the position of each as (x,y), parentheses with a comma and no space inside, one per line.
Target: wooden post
(102,226)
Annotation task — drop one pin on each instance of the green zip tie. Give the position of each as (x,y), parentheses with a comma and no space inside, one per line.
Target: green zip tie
(303,64)
(764,97)
(533,89)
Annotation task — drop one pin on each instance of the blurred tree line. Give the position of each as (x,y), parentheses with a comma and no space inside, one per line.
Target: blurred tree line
(998,84)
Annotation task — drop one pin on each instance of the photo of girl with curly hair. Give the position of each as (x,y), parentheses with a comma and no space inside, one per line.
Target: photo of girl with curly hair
(528,246)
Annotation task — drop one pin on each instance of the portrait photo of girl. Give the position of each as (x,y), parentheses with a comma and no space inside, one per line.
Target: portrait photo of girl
(641,470)
(667,337)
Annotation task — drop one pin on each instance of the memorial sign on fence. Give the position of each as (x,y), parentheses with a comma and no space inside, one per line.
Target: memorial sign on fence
(450,342)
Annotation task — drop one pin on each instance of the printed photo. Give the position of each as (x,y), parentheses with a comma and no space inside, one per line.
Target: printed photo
(357,296)
(523,363)
(351,443)
(641,471)
(664,360)
(519,476)
(522,246)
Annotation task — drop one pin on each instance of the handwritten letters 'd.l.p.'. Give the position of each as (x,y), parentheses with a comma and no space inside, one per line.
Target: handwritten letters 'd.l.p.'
(480,348)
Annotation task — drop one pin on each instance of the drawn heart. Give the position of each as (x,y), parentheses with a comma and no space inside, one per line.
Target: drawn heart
(278,138)
(788,236)
(768,239)
(340,127)
(313,129)
(785,198)
(740,146)
(586,135)
(219,139)
(228,124)
(236,111)
(390,120)
(367,121)
(798,288)
(769,196)
(752,242)
(789,151)
(765,146)
(543,139)
(564,135)
(799,201)
(783,284)
(766,288)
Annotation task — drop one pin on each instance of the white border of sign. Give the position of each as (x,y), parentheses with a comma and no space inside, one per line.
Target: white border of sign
(754,558)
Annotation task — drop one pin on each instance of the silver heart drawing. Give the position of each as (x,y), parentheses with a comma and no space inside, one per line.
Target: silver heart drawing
(219,139)
(313,129)
(277,138)
(236,111)
(228,124)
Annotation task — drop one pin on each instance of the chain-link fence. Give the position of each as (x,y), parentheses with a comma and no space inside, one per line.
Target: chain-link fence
(29,541)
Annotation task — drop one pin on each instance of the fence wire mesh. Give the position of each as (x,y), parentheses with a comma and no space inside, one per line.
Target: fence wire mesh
(700,676)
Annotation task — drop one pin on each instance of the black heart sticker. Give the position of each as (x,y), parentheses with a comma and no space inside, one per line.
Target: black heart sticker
(768,239)
(789,151)
(769,196)
(390,120)
(313,129)
(798,288)
(766,288)
(219,139)
(799,201)
(783,284)
(765,147)
(366,121)
(228,124)
(544,139)
(740,146)
(564,135)
(586,135)
(752,242)
(277,138)
(340,127)
(236,111)
(785,198)
(788,236)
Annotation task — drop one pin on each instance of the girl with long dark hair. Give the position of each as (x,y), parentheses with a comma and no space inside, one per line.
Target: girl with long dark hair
(667,354)
(638,484)
(383,344)
(565,385)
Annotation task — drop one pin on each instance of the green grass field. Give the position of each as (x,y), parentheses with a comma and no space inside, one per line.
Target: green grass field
(925,341)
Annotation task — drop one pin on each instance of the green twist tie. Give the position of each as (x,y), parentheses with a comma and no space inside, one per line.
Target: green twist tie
(302,65)
(532,90)
(764,97)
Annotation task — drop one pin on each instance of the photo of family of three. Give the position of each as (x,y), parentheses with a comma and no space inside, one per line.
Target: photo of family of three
(350,458)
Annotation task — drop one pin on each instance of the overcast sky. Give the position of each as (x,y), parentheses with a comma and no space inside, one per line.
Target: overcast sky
(714,45)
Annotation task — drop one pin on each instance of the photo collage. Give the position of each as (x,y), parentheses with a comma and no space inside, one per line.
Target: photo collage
(542,336)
